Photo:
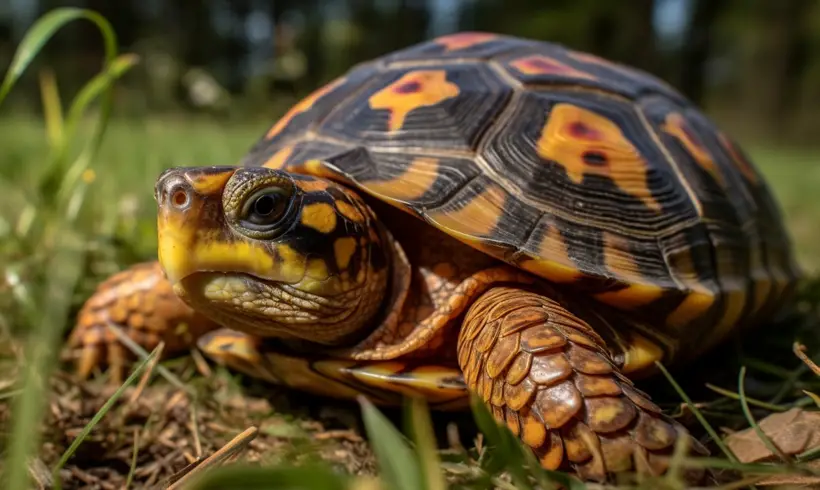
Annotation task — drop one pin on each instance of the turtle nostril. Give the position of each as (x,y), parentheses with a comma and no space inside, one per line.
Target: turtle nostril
(179,197)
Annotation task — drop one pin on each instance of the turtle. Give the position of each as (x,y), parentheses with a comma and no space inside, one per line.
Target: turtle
(475,215)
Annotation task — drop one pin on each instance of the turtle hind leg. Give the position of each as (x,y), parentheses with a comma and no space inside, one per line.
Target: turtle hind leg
(384,383)
(141,302)
(550,377)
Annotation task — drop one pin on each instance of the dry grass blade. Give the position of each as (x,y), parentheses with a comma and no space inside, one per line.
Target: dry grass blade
(146,376)
(133,468)
(229,450)
(751,401)
(142,353)
(800,351)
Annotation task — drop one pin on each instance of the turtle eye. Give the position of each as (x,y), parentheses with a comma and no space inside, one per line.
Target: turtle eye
(265,208)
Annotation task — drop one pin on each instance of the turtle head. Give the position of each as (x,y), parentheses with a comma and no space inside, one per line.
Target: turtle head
(271,253)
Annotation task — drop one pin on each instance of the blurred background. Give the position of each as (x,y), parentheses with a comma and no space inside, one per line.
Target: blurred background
(755,63)
(213,74)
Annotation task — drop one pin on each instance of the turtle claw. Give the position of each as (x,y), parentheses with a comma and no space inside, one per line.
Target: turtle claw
(87,361)
(140,302)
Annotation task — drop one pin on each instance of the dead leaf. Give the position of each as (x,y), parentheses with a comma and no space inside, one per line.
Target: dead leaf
(793,432)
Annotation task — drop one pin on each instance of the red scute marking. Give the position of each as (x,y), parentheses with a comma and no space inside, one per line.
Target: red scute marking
(407,88)
(581,130)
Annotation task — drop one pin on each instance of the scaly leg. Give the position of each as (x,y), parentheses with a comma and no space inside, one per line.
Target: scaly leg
(551,378)
(140,301)
(382,382)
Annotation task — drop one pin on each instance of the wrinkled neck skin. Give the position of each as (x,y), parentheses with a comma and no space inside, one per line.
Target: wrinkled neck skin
(321,278)
(302,320)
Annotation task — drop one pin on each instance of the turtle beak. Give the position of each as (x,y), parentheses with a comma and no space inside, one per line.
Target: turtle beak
(189,202)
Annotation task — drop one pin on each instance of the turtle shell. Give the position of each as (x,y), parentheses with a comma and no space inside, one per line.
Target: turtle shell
(581,171)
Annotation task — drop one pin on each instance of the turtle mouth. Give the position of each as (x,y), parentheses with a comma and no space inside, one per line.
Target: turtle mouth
(259,306)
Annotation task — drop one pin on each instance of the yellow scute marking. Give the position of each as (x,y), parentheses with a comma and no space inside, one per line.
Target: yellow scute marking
(279,159)
(738,159)
(678,127)
(415,89)
(303,105)
(586,143)
(691,308)
(619,260)
(343,249)
(641,353)
(477,218)
(410,185)
(553,260)
(320,216)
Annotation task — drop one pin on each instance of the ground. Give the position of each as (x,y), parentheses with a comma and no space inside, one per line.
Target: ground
(190,410)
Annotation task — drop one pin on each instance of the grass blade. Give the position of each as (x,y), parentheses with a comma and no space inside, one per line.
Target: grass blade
(43,30)
(64,270)
(698,415)
(100,414)
(254,477)
(421,429)
(741,387)
(399,466)
(52,108)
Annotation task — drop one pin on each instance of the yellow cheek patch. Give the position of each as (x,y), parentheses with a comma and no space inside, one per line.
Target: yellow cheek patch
(293,264)
(343,249)
(320,216)
(349,212)
(317,269)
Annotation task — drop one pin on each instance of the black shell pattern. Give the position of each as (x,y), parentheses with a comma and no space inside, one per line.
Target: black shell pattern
(582,171)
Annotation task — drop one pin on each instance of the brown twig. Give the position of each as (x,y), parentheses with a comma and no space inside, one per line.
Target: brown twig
(236,445)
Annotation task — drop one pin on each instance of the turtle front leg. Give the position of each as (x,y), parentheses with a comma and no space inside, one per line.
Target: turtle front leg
(141,302)
(550,377)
